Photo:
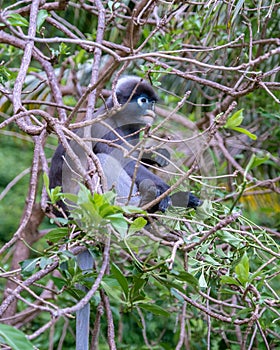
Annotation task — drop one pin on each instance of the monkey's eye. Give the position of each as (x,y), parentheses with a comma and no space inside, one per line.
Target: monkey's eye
(142,100)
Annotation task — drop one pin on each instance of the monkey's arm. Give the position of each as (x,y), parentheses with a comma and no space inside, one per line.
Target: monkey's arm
(142,174)
(56,167)
(159,158)
(185,199)
(181,199)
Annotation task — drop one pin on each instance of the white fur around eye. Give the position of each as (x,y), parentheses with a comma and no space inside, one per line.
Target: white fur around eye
(142,100)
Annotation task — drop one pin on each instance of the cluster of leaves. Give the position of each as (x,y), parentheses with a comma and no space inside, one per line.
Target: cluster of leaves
(142,282)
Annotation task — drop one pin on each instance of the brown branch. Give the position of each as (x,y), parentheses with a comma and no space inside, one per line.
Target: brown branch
(28,282)
(110,323)
(223,223)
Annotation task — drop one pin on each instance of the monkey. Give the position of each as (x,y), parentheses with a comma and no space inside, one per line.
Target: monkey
(114,141)
(134,183)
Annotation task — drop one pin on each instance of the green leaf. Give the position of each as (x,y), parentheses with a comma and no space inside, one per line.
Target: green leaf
(120,278)
(62,221)
(234,120)
(139,281)
(255,161)
(185,277)
(29,265)
(137,225)
(57,234)
(237,9)
(109,197)
(130,209)
(46,181)
(172,284)
(45,262)
(211,260)
(4,75)
(119,223)
(229,238)
(80,57)
(59,282)
(71,197)
(246,132)
(14,338)
(155,309)
(205,210)
(65,255)
(110,5)
(242,269)
(55,194)
(202,281)
(83,194)
(107,210)
(63,49)
(229,280)
(42,15)
(178,296)
(111,291)
(14,19)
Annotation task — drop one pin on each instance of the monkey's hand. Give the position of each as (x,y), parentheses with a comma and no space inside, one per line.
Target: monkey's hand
(149,191)
(185,200)
(194,202)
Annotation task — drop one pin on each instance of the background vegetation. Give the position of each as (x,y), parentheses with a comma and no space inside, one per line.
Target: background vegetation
(205,279)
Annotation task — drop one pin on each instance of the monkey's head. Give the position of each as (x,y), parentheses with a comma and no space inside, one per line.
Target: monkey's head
(138,100)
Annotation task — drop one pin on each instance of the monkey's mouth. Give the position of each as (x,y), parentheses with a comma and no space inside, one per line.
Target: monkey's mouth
(149,117)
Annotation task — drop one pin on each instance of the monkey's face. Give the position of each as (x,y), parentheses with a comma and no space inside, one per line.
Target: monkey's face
(146,107)
(139,111)
(137,98)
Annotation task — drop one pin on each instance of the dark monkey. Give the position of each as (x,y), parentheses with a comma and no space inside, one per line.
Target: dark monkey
(137,100)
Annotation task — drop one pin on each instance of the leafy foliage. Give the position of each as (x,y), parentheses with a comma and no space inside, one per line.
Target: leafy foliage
(14,338)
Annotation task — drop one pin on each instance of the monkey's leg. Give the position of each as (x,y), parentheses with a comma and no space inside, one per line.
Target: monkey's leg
(85,262)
